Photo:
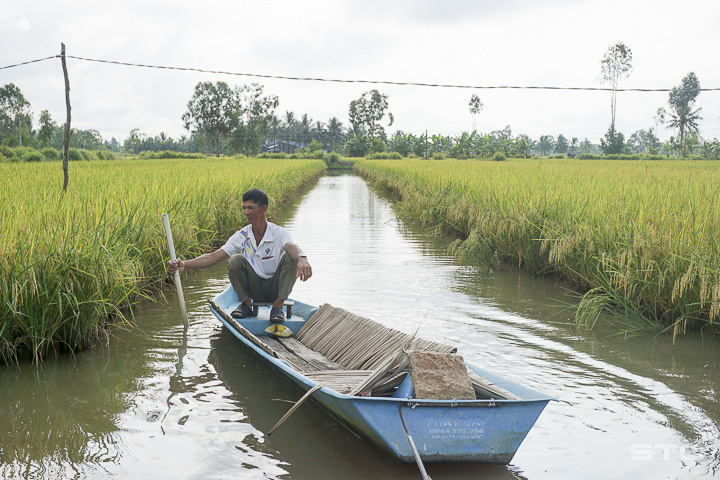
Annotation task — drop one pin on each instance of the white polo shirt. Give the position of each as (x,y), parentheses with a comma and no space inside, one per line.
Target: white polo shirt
(264,257)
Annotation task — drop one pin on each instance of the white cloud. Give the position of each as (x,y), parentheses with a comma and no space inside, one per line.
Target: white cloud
(23,24)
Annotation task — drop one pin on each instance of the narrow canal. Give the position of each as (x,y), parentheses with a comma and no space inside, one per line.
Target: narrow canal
(149,404)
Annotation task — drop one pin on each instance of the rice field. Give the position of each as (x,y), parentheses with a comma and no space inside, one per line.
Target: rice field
(638,238)
(70,263)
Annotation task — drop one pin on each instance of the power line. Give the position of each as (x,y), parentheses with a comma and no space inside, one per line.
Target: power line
(388,82)
(375,82)
(31,61)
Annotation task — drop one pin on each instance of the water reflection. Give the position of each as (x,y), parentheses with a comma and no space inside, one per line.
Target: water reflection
(153,404)
(56,418)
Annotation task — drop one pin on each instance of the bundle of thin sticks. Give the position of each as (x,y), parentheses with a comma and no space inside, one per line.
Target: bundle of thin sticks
(359,343)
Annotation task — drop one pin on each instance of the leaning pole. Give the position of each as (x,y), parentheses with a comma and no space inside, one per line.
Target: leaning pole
(66,137)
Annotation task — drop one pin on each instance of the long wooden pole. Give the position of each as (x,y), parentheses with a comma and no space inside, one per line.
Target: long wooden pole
(414,449)
(66,137)
(294,407)
(178,284)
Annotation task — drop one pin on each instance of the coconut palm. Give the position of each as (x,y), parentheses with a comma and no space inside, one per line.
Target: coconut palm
(546,144)
(289,125)
(318,132)
(274,124)
(685,121)
(574,145)
(304,128)
(682,117)
(335,131)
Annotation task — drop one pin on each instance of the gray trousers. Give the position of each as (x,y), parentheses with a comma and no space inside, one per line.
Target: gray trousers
(247,283)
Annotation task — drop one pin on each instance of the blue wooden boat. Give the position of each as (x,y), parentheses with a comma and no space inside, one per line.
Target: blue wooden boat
(487,429)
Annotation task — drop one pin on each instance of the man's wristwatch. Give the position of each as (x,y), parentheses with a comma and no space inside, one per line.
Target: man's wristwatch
(300,256)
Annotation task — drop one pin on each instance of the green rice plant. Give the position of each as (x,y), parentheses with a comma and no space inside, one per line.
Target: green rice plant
(69,263)
(641,233)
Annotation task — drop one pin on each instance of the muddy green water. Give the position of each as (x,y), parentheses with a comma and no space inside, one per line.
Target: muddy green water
(151,404)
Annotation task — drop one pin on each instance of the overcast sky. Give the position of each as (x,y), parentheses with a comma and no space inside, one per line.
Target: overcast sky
(484,43)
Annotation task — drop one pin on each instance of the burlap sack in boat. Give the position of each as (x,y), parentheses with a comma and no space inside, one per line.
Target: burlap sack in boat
(440,376)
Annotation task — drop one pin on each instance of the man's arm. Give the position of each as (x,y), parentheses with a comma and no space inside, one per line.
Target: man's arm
(203,261)
(304,270)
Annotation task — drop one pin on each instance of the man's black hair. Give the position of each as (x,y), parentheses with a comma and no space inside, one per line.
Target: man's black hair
(257,196)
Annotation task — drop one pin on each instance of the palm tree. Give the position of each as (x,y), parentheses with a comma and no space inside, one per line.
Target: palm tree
(586,146)
(681,100)
(318,132)
(304,128)
(574,145)
(561,145)
(686,122)
(546,144)
(274,124)
(289,125)
(334,130)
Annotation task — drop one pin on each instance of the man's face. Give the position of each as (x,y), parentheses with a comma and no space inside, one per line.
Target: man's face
(253,212)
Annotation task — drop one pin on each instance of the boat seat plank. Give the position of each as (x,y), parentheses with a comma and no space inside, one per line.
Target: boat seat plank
(289,304)
(298,355)
(283,353)
(317,359)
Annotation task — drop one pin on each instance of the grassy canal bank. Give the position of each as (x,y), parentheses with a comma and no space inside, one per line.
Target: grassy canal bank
(70,264)
(638,238)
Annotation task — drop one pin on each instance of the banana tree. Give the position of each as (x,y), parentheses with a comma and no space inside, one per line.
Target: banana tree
(441,144)
(419,144)
(504,144)
(462,147)
(523,146)
(487,146)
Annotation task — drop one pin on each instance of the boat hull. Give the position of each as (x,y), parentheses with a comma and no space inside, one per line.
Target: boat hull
(480,431)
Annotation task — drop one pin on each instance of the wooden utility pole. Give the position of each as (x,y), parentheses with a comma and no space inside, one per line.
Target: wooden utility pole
(66,138)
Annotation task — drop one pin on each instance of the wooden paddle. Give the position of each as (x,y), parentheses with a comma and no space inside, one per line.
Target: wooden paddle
(178,284)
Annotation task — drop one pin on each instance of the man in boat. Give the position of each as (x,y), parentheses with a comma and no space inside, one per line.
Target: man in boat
(264,261)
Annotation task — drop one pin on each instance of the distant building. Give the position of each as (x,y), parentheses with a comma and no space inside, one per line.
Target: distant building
(283,146)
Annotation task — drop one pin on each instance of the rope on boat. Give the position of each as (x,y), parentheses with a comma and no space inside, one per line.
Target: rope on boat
(294,407)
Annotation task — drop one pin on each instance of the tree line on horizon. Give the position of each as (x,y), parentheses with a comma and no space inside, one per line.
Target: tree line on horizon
(221,119)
